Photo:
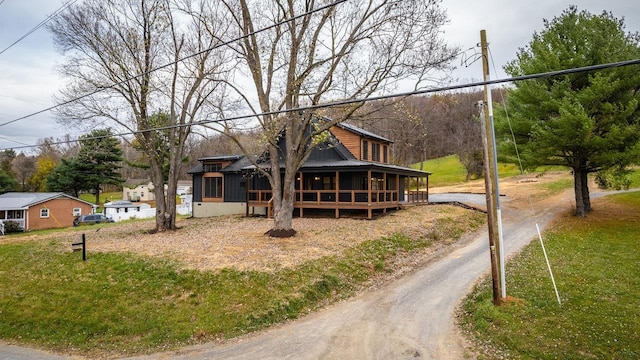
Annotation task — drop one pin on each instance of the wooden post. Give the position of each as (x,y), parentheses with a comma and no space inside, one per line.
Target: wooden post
(490,177)
(337,195)
(301,194)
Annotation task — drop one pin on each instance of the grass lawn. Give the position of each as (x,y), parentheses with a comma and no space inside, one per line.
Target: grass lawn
(124,304)
(104,197)
(596,265)
(448,170)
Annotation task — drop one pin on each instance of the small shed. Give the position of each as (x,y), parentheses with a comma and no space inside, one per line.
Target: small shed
(123,210)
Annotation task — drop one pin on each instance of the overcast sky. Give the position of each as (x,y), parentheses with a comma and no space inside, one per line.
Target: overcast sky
(28,78)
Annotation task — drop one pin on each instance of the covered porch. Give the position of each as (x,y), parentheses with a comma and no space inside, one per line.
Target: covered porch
(347,191)
(17,216)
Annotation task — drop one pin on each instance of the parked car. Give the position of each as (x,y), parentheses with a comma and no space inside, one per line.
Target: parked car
(91,219)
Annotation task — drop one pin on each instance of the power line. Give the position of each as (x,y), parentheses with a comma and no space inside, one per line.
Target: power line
(226,43)
(373,98)
(41,24)
(15,141)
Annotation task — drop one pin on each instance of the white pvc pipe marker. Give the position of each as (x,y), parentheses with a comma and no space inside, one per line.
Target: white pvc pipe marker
(548,266)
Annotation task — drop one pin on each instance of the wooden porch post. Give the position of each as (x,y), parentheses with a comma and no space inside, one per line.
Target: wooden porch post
(300,185)
(398,190)
(384,192)
(337,194)
(369,213)
(427,188)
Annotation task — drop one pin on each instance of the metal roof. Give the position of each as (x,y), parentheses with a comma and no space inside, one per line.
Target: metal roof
(220,158)
(362,132)
(352,165)
(24,200)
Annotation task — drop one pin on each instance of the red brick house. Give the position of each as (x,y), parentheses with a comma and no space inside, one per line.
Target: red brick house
(36,211)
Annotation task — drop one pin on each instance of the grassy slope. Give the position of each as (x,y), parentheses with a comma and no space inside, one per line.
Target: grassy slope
(126,304)
(595,264)
(104,197)
(449,171)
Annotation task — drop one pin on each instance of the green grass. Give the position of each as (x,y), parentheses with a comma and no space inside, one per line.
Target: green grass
(635,177)
(446,171)
(449,170)
(596,267)
(124,304)
(556,187)
(104,197)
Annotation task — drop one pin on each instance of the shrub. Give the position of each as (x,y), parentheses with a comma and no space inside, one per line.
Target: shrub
(12,227)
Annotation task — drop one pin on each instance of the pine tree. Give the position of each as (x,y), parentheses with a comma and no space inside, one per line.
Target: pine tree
(587,121)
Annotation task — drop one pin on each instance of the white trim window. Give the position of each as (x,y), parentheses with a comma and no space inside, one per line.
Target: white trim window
(44,213)
(77,211)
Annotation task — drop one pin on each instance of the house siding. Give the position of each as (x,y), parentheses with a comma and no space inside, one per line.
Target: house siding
(142,192)
(235,188)
(197,187)
(350,140)
(60,213)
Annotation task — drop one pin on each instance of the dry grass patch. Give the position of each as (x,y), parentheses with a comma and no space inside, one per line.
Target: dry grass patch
(239,243)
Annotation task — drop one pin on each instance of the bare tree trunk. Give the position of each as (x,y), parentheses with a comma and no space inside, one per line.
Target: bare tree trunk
(577,185)
(170,204)
(585,192)
(283,217)
(283,197)
(158,182)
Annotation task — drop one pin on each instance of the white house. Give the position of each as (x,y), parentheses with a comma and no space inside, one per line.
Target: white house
(124,210)
(138,190)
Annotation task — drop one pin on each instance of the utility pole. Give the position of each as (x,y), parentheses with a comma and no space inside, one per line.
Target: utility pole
(494,216)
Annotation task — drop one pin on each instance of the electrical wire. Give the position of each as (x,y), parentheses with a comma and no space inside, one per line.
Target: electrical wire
(504,107)
(531,205)
(226,43)
(375,98)
(41,24)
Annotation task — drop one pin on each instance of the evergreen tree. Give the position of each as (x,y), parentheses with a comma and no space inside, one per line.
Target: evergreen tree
(67,177)
(588,121)
(7,183)
(99,160)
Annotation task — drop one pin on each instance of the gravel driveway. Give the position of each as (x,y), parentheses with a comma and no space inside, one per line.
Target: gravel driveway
(410,318)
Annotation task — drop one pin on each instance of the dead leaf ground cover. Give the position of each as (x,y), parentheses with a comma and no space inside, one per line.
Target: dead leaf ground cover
(239,243)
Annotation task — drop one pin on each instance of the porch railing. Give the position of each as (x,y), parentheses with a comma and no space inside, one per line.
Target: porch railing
(415,196)
(342,197)
(20,223)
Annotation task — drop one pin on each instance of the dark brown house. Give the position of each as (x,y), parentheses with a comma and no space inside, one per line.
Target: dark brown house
(349,174)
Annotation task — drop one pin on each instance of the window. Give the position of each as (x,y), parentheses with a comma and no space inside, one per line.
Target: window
(385,155)
(365,150)
(375,152)
(213,187)
(44,213)
(215,167)
(328,183)
(77,211)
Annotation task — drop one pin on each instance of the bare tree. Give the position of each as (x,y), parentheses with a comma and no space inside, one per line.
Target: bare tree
(23,166)
(350,50)
(133,61)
